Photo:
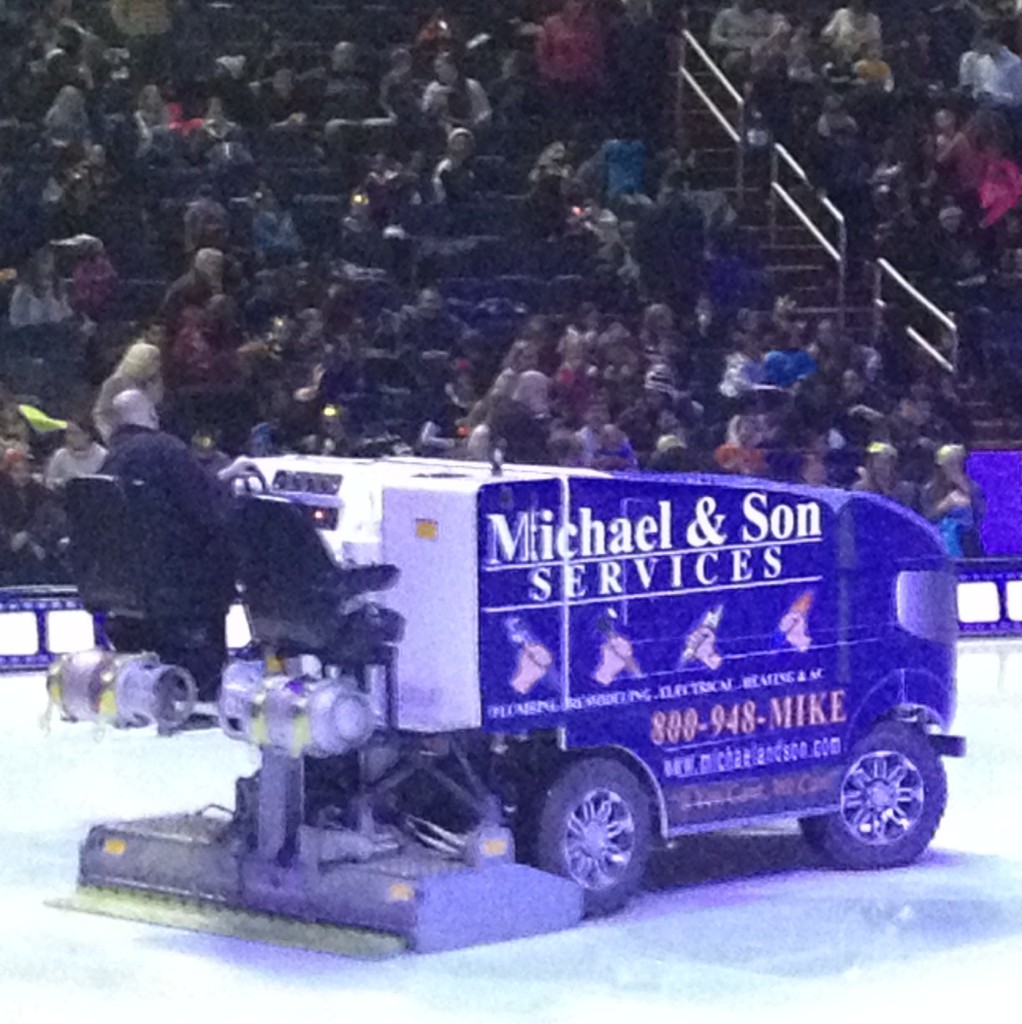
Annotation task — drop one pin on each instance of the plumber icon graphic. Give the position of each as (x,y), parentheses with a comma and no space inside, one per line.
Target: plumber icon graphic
(701,642)
(794,624)
(616,653)
(535,662)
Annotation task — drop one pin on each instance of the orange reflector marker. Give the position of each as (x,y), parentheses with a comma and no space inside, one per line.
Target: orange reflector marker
(494,848)
(400,892)
(115,846)
(427,529)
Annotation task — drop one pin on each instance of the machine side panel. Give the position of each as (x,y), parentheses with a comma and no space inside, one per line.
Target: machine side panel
(429,532)
(692,621)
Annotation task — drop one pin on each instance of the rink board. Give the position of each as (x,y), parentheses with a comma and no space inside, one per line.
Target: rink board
(38,624)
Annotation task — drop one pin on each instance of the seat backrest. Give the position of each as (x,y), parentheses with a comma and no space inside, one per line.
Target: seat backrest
(128,555)
(181,571)
(104,547)
(293,590)
(285,574)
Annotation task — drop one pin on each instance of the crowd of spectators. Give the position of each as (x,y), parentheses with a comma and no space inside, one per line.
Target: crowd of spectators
(359,230)
(909,117)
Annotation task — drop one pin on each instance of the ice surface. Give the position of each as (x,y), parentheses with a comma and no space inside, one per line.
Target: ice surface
(736,927)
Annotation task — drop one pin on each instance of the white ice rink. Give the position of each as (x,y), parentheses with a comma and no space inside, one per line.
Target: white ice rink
(736,927)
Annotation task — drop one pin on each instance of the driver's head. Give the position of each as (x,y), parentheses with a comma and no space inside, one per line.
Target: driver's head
(134,409)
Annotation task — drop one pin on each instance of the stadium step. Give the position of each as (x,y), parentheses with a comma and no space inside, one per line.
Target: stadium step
(807,272)
(786,231)
(787,254)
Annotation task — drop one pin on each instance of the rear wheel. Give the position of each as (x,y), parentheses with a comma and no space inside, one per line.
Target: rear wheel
(892,798)
(594,828)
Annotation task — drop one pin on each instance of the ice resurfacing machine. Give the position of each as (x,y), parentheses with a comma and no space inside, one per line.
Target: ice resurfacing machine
(482,697)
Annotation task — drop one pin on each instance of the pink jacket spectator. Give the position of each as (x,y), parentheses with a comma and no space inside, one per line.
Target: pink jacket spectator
(1000,189)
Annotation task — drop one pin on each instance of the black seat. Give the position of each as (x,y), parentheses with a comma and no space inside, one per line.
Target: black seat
(125,559)
(104,547)
(297,598)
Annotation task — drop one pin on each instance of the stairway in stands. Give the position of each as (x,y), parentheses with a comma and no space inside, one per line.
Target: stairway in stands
(796,264)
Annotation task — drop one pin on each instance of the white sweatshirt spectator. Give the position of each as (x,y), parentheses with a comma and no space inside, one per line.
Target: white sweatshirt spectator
(80,456)
(853,30)
(992,72)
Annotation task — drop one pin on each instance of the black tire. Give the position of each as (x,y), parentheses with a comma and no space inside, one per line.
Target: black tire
(834,836)
(605,785)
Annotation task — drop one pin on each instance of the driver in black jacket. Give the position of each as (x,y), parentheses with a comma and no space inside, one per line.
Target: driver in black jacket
(192,551)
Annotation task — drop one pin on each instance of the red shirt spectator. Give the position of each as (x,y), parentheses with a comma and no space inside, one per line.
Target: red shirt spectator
(962,161)
(570,46)
(181,123)
(962,157)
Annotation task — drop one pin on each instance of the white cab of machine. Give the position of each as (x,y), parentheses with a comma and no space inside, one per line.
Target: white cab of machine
(420,515)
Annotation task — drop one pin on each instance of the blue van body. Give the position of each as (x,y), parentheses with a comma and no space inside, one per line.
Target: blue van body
(735,637)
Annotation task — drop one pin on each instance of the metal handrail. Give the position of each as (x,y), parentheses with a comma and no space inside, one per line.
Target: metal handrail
(932,352)
(782,153)
(712,67)
(807,222)
(885,269)
(721,117)
(832,209)
(838,253)
(945,319)
(734,131)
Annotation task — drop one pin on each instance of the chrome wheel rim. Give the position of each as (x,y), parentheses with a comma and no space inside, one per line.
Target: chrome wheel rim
(882,798)
(599,839)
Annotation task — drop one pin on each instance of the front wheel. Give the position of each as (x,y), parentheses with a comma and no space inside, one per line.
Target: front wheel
(892,798)
(594,828)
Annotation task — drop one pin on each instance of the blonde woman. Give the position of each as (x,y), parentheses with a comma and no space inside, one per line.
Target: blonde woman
(140,369)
